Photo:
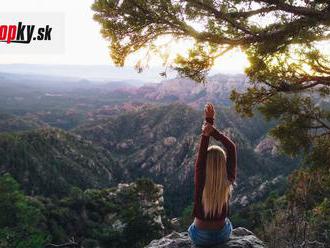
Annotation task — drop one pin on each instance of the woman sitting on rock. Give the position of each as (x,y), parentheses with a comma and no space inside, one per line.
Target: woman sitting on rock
(215,172)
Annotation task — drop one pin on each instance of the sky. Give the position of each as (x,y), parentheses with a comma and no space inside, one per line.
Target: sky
(83,41)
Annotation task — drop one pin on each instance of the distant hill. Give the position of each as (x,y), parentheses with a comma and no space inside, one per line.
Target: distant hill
(60,102)
(51,161)
(9,123)
(67,102)
(184,90)
(89,72)
(161,143)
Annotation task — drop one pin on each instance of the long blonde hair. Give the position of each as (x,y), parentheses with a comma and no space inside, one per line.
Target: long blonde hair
(217,188)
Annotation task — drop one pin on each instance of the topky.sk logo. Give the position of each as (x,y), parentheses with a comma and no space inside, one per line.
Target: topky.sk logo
(21,33)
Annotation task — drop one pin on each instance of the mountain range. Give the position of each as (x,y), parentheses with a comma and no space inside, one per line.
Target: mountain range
(60,136)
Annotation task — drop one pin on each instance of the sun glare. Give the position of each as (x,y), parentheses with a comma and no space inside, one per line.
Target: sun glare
(234,61)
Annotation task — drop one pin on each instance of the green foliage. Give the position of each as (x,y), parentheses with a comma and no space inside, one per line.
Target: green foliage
(134,24)
(71,162)
(198,63)
(146,186)
(95,218)
(320,220)
(20,218)
(291,86)
(305,217)
(255,215)
(186,217)
(293,129)
(11,124)
(114,217)
(283,52)
(139,232)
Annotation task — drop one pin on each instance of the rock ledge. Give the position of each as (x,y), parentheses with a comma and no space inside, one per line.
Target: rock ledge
(241,238)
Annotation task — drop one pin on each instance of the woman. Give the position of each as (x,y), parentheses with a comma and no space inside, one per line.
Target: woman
(215,172)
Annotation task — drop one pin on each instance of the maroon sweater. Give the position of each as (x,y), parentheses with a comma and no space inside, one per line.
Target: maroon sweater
(200,172)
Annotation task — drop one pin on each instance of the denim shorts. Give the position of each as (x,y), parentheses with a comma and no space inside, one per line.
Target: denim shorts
(202,237)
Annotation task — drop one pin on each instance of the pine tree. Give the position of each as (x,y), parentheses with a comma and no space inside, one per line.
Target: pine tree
(289,68)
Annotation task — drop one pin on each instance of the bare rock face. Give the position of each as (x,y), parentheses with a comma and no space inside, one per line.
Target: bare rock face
(169,141)
(241,238)
(267,145)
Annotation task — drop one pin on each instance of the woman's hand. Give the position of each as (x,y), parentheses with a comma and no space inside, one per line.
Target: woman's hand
(209,111)
(207,129)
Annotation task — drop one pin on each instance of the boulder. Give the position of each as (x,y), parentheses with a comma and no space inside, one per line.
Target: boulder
(241,238)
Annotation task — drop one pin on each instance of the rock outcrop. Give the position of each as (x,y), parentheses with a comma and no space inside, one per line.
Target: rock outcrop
(241,238)
(267,145)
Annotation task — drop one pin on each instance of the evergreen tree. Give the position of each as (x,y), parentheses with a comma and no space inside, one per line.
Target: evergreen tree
(289,69)
(20,217)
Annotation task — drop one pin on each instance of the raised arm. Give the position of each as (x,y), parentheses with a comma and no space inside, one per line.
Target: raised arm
(229,146)
(203,145)
(200,163)
(231,153)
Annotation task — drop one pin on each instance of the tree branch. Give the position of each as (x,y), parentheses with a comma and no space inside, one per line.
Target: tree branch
(297,10)
(245,14)
(222,16)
